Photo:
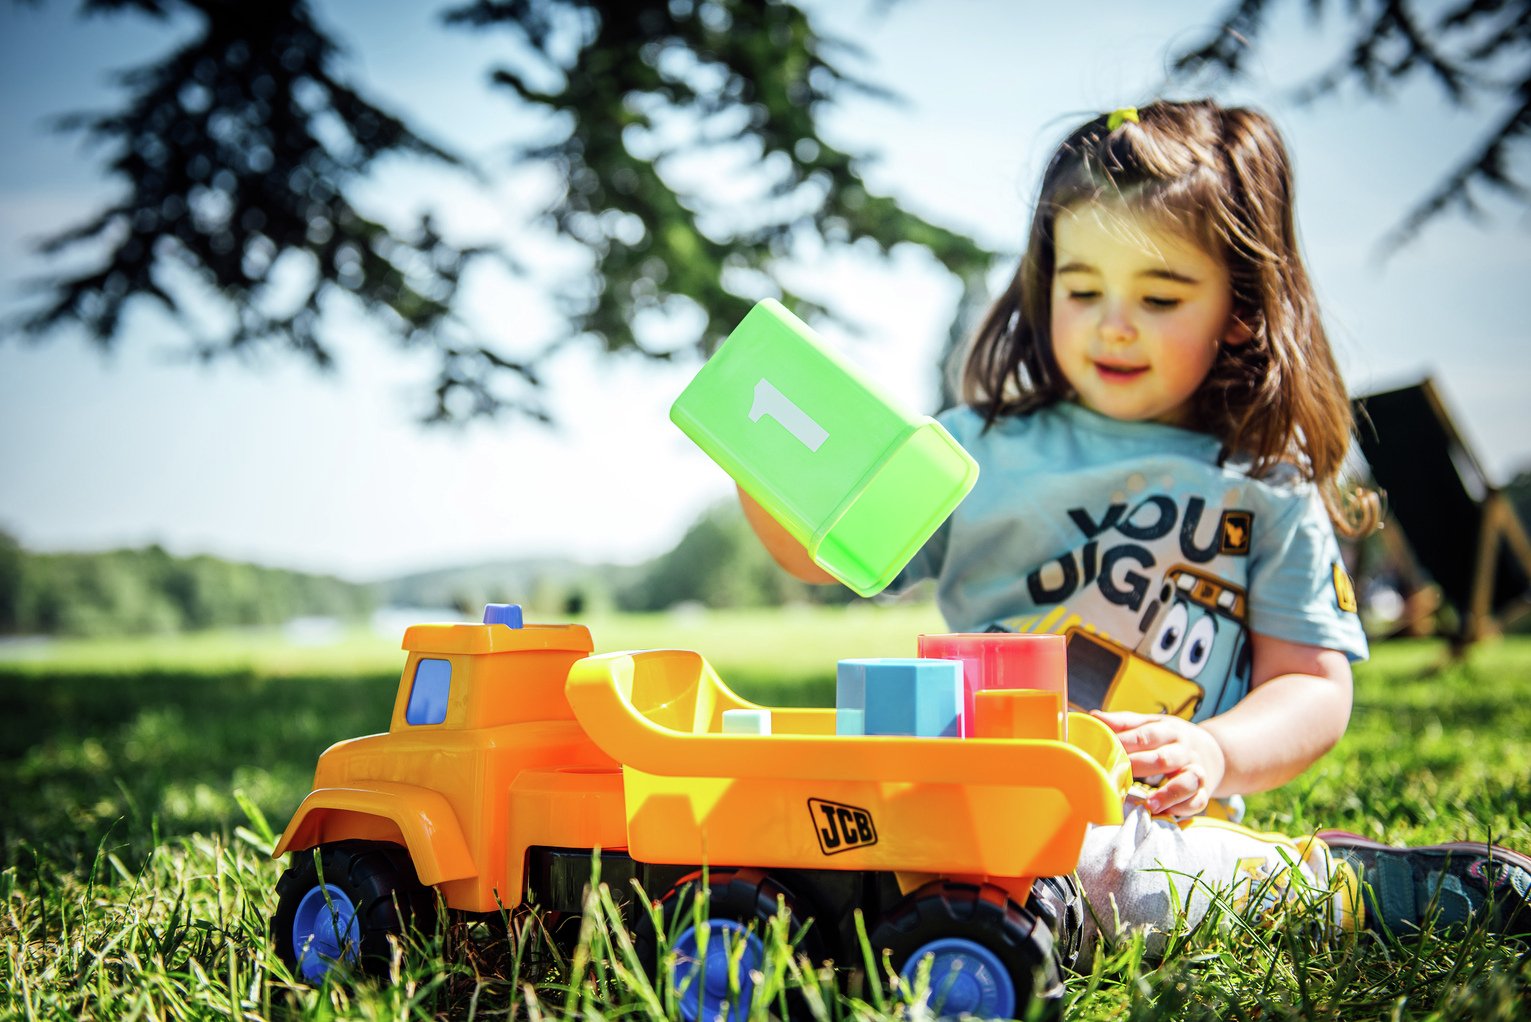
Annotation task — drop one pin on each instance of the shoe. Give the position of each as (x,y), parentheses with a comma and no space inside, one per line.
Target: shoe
(1446,885)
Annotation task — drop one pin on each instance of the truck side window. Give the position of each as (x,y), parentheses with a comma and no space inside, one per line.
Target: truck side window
(428,695)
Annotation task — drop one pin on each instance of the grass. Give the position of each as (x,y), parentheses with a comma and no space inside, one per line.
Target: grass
(138,780)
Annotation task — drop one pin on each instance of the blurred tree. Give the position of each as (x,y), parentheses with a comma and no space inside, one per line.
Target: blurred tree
(240,153)
(718,563)
(1477,51)
(128,592)
(11,561)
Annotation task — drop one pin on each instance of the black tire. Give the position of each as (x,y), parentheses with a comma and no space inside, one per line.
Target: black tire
(379,882)
(745,896)
(980,915)
(1057,903)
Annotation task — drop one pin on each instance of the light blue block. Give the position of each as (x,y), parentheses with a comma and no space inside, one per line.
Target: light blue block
(746,722)
(899,696)
(850,720)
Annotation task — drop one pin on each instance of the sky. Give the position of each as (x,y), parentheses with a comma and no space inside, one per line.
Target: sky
(275,463)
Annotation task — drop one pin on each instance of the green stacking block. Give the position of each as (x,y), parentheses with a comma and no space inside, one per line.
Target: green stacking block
(859,482)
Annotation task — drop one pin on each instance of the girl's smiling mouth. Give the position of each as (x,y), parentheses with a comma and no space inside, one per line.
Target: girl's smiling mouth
(1113,373)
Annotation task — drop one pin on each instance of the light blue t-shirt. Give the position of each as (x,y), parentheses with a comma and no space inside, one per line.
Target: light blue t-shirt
(1154,560)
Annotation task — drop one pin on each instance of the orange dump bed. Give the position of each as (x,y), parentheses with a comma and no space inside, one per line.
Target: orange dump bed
(805,797)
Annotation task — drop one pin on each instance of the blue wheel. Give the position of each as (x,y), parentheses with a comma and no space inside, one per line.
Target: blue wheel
(342,909)
(740,905)
(325,930)
(966,978)
(993,958)
(705,981)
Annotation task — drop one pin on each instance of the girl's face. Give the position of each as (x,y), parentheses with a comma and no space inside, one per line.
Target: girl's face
(1138,313)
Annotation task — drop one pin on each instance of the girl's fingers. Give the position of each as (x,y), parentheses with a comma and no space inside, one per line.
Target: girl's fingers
(1121,720)
(1166,759)
(1191,806)
(1151,734)
(1198,802)
(1184,794)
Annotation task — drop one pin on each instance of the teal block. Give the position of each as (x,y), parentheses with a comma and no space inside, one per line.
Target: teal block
(899,696)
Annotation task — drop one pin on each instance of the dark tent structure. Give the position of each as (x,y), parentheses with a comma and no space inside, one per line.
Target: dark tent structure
(1461,530)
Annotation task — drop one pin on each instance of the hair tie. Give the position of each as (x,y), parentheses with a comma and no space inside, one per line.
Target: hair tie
(1121,116)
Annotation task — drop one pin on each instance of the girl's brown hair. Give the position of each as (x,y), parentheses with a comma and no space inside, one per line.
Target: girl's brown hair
(1221,177)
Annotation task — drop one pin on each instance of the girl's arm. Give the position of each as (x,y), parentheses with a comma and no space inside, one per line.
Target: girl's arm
(1296,710)
(786,551)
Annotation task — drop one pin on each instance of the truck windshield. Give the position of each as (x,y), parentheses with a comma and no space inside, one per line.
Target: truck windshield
(428,694)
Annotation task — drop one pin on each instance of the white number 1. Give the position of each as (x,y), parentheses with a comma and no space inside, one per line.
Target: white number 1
(772,402)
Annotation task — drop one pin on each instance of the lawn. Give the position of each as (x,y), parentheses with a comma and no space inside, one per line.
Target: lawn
(142,781)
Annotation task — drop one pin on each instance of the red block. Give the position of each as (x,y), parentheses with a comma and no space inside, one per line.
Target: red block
(1001,660)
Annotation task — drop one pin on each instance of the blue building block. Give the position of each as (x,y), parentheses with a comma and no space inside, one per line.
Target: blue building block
(502,614)
(899,696)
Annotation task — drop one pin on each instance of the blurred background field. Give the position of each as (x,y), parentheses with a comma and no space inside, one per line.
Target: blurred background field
(771,649)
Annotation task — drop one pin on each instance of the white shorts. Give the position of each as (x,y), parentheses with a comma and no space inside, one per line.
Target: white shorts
(1158,874)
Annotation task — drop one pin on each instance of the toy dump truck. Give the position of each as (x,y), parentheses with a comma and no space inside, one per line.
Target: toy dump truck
(513,752)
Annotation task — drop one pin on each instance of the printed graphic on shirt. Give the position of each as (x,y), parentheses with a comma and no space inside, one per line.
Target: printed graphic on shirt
(1195,638)
(1116,552)
(1237,527)
(1344,589)
(1192,634)
(1105,674)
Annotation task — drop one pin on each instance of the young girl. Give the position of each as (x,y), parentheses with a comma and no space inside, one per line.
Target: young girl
(1160,427)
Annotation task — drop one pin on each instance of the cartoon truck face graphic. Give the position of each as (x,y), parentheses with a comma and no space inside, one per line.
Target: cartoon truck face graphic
(1193,632)
(513,753)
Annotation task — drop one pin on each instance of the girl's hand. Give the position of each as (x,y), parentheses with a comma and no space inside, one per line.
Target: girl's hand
(1186,754)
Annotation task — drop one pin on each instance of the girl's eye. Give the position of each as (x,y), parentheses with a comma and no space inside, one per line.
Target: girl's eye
(1083,296)
(1161,303)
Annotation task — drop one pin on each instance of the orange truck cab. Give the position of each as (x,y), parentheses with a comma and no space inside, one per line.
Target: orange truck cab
(513,753)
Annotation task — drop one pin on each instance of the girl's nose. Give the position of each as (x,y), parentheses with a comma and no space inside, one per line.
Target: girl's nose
(1116,326)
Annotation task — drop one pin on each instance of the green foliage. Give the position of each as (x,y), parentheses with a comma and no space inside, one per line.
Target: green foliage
(239,155)
(140,807)
(236,149)
(720,564)
(12,557)
(1476,54)
(659,83)
(544,584)
(148,591)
